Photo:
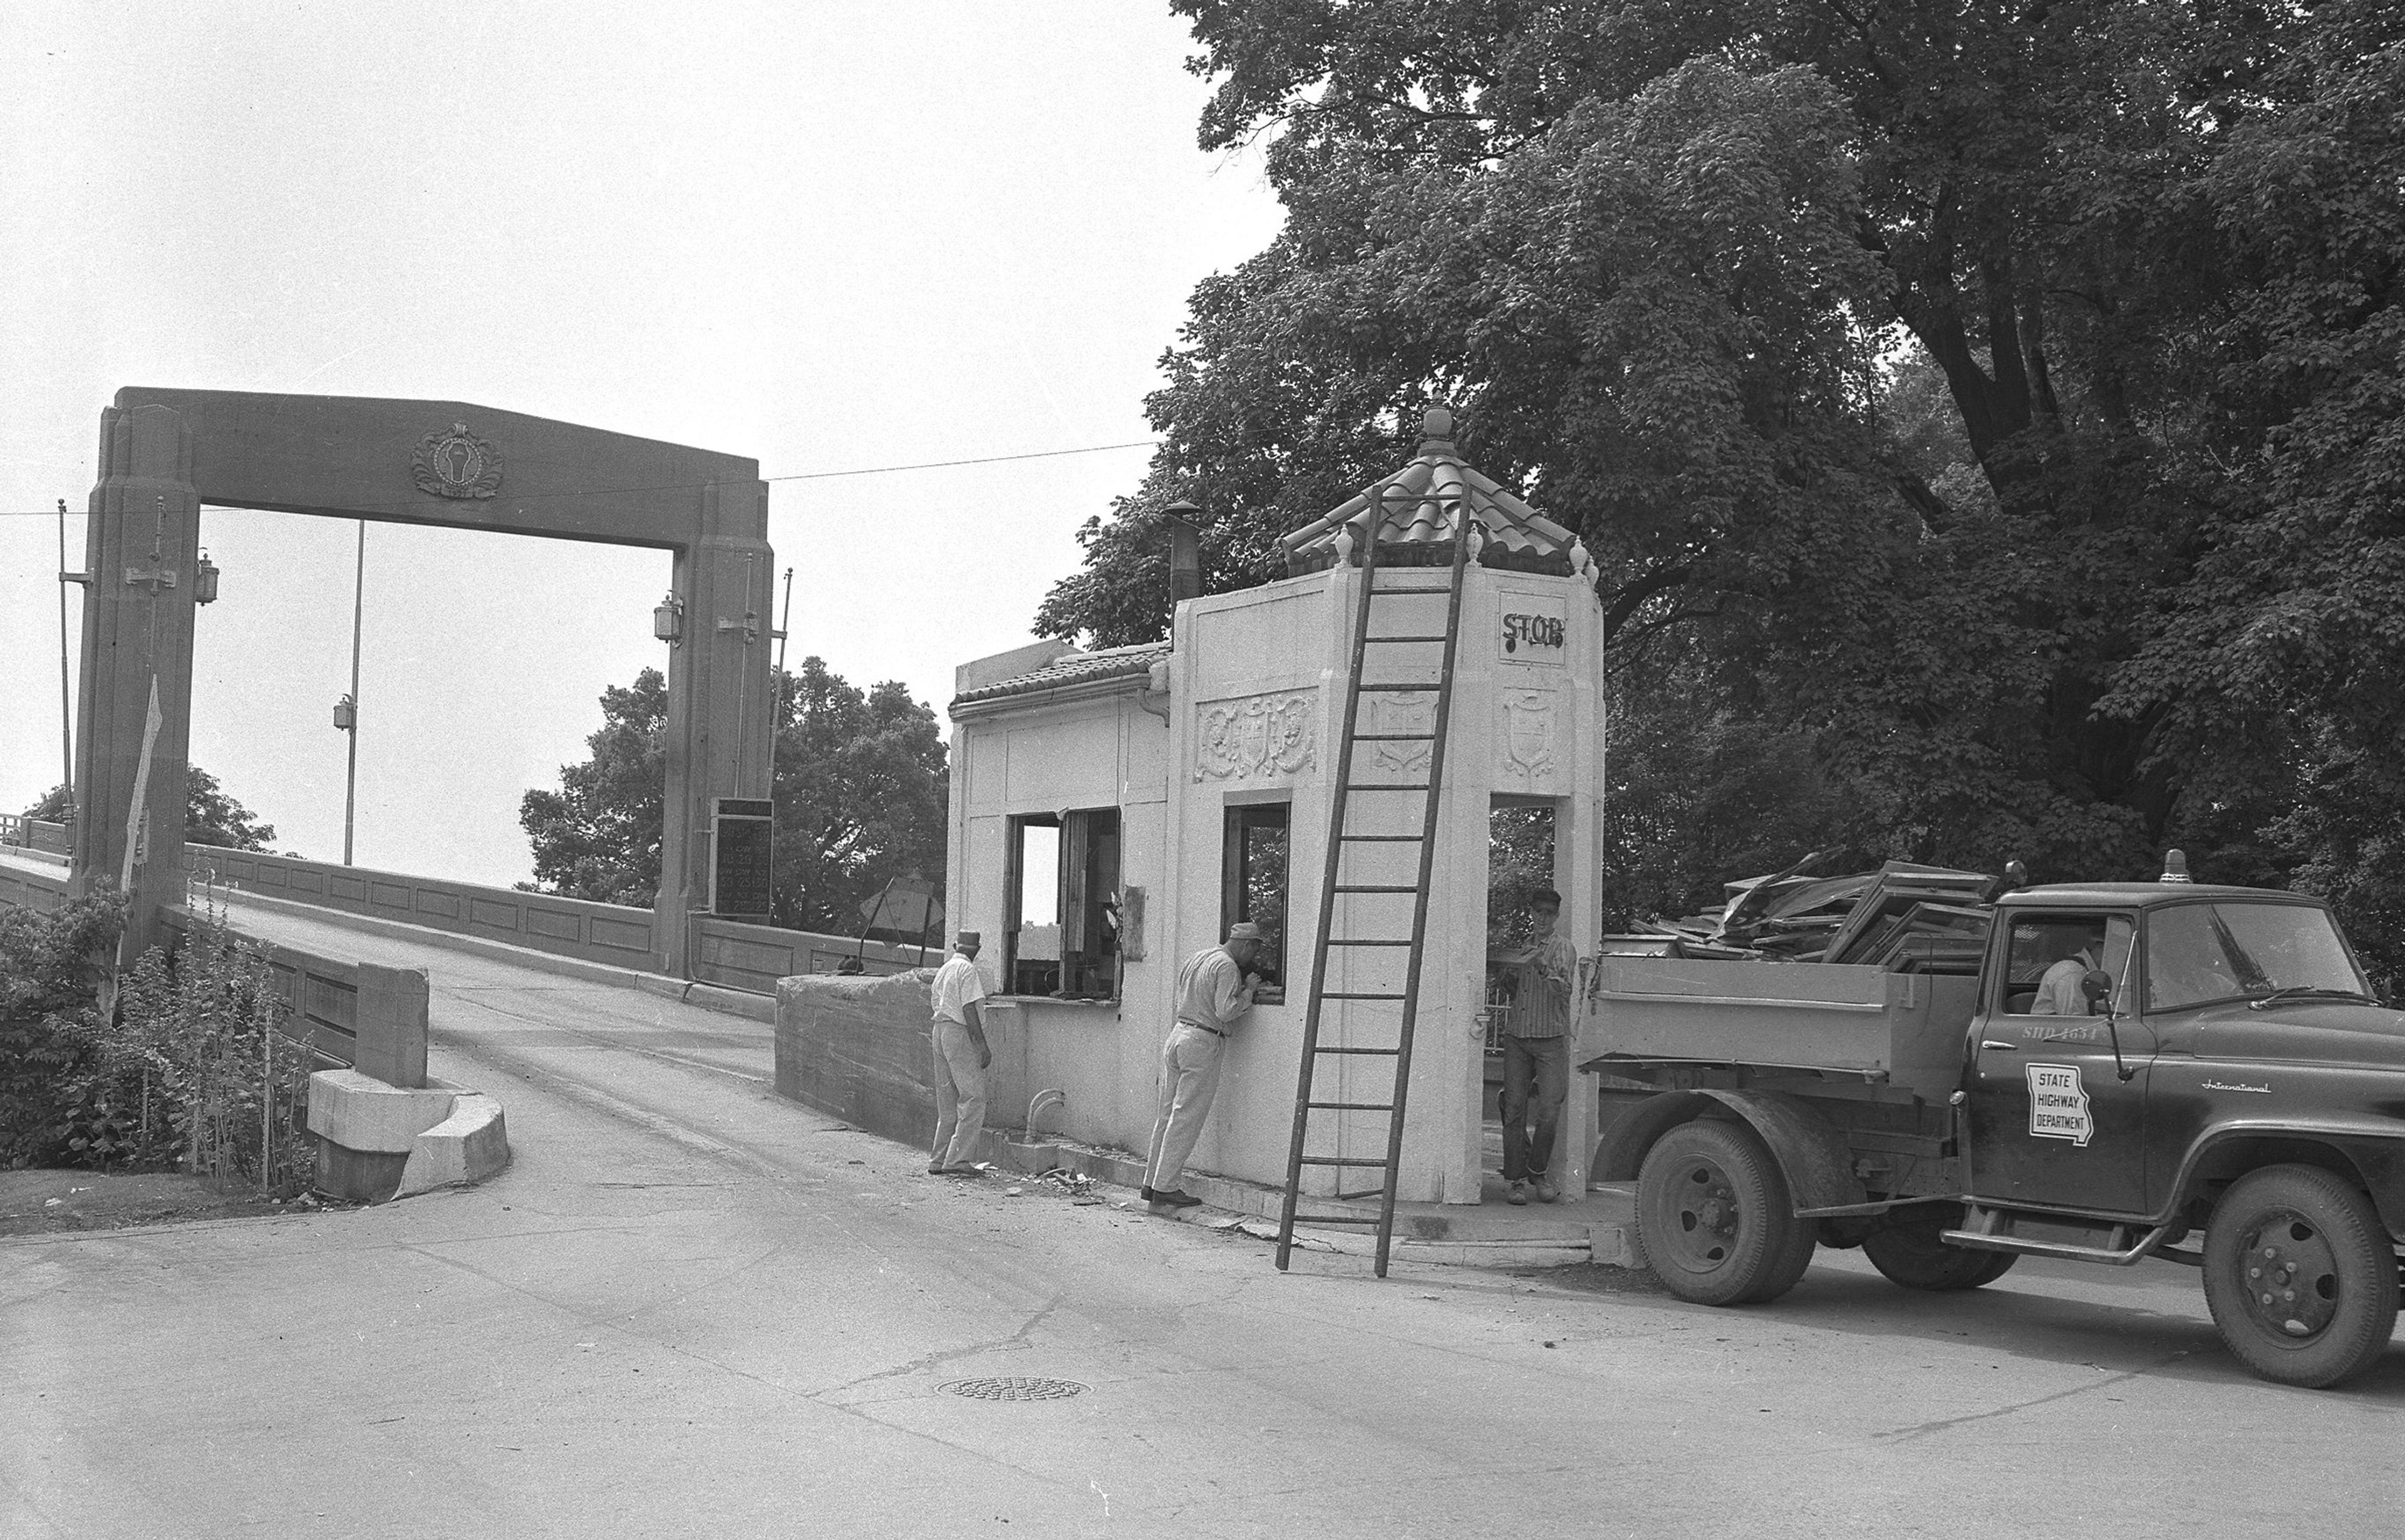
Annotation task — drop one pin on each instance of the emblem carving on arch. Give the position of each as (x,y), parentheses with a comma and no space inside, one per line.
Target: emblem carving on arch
(1531,728)
(455,463)
(1256,735)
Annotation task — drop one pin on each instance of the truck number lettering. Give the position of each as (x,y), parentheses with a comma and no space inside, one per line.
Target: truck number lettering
(2059,1104)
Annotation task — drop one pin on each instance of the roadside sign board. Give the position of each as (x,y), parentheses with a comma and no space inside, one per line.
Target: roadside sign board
(741,848)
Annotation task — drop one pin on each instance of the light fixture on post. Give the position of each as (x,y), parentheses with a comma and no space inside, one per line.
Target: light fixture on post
(204,580)
(346,715)
(667,619)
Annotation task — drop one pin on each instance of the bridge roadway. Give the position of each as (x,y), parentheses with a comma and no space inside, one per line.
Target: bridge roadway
(690,1308)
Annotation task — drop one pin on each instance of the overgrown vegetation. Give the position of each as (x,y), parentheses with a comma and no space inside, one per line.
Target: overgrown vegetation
(186,1068)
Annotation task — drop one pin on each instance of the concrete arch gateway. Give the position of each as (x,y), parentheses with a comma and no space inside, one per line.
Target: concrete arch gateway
(164,453)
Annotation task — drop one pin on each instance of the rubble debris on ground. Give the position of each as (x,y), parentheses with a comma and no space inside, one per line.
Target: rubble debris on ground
(1903,918)
(1074,1183)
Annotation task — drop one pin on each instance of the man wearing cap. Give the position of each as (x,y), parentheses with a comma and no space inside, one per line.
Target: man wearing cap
(1536,1058)
(1213,990)
(961,1058)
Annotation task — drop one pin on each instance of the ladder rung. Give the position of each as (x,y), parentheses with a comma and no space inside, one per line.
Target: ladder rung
(1393,737)
(1380,839)
(1386,786)
(1353,1106)
(1356,941)
(1439,637)
(1396,687)
(1388,1052)
(1332,994)
(1342,1160)
(1377,888)
(1343,1219)
(1411,588)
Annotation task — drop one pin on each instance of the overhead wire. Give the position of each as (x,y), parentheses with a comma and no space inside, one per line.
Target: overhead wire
(796,476)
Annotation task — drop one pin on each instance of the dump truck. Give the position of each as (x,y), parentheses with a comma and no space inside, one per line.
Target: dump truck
(2169,1071)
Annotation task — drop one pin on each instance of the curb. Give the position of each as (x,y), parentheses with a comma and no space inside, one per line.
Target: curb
(1256,1211)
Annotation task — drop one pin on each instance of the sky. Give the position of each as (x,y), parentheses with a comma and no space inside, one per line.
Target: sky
(826,236)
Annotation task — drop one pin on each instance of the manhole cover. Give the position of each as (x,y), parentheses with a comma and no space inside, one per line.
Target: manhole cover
(1014,1388)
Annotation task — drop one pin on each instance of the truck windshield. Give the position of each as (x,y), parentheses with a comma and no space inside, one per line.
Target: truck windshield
(2197,953)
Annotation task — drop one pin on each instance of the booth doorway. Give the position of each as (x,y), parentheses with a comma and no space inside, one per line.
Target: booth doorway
(1520,862)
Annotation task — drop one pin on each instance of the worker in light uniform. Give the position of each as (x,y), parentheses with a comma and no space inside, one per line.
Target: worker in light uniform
(962,1058)
(1215,989)
(2062,993)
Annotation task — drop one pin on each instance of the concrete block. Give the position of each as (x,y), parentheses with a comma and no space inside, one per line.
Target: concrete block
(376,1141)
(391,1025)
(470,1145)
(859,1048)
(362,1112)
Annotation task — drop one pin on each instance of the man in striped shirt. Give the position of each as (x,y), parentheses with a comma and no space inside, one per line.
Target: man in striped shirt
(1213,990)
(1537,1058)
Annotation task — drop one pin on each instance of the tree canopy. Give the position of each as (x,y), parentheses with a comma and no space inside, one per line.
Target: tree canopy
(211,816)
(1985,419)
(861,792)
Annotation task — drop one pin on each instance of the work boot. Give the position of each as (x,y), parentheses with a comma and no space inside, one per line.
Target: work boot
(1518,1196)
(1543,1187)
(1173,1197)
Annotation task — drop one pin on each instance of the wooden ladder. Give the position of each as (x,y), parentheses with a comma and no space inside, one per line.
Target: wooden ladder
(1341,837)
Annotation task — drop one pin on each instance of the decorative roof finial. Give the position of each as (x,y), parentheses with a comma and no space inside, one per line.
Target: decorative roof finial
(1437,425)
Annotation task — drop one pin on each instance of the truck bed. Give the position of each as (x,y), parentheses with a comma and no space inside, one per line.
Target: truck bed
(1905,1029)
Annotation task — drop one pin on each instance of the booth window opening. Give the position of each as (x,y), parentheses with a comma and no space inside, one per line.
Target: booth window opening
(1252,886)
(1060,884)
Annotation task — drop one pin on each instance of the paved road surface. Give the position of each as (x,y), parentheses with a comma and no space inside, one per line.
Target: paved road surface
(691,1309)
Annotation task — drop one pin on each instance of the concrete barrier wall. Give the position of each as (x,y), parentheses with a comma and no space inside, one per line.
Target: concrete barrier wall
(860,1050)
(750,957)
(36,834)
(598,933)
(31,888)
(755,957)
(360,1015)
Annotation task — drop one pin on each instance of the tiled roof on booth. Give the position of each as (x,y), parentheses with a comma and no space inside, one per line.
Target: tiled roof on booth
(1074,668)
(1422,500)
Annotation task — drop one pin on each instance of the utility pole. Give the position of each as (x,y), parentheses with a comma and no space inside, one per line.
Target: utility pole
(777,708)
(66,705)
(351,772)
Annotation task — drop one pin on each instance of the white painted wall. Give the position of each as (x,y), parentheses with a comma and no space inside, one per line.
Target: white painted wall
(1256,689)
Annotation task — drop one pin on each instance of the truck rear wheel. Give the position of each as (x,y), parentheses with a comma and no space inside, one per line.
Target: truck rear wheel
(1714,1218)
(2300,1277)
(1908,1252)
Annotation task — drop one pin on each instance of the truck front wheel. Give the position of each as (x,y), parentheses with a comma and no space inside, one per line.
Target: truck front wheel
(2300,1277)
(1714,1218)
(1907,1252)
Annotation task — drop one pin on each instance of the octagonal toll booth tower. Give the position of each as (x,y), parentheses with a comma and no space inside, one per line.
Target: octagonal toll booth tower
(1115,812)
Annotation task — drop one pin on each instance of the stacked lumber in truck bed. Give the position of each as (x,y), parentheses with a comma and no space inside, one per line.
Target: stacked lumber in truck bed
(1902,918)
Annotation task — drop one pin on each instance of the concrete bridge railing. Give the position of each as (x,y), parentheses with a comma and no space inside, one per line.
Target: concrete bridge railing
(357,1015)
(724,952)
(36,834)
(750,958)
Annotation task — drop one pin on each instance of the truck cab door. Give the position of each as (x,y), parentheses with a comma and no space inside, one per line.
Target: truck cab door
(2050,1122)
